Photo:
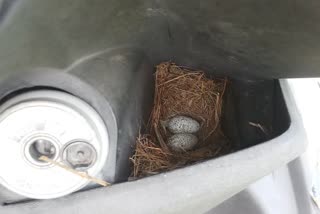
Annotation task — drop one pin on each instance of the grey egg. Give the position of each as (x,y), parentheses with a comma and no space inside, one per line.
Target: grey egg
(182,142)
(183,124)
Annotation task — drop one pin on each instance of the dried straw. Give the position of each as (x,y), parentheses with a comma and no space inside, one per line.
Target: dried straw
(181,91)
(149,157)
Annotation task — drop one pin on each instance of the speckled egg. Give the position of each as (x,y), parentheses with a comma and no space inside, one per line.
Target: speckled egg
(182,142)
(183,124)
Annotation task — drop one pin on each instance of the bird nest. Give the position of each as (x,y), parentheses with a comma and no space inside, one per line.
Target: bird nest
(181,91)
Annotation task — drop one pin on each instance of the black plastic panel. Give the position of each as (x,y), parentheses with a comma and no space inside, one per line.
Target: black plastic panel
(254,112)
(265,38)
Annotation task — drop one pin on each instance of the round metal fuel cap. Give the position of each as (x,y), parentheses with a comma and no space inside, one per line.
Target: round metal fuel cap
(54,124)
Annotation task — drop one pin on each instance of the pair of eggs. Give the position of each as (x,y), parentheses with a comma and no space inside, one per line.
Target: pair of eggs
(183,129)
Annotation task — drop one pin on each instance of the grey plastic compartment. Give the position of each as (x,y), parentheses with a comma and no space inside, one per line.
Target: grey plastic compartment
(205,184)
(235,38)
(118,83)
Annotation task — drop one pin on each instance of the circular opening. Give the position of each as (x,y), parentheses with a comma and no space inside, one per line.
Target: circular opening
(42,147)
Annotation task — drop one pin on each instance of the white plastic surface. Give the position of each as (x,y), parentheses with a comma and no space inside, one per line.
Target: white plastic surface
(59,118)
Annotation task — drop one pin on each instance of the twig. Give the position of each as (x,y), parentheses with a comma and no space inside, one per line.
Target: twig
(257,125)
(176,78)
(81,174)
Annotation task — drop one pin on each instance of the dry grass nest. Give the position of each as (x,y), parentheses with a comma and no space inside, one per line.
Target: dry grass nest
(181,91)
